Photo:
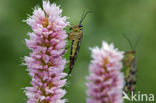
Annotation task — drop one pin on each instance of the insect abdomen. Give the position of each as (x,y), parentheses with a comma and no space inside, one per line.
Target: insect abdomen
(74,47)
(131,79)
(74,52)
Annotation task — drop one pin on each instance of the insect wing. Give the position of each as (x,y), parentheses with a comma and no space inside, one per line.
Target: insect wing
(75,47)
(130,64)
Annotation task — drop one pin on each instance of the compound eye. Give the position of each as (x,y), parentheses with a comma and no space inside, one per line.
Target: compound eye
(70,28)
(80,25)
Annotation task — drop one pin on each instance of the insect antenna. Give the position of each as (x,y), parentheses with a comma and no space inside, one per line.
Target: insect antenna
(138,39)
(129,41)
(84,15)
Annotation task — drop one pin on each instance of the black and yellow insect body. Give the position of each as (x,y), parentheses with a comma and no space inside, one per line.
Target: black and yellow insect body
(76,35)
(130,63)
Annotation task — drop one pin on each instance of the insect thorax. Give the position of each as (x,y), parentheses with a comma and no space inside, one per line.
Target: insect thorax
(76,28)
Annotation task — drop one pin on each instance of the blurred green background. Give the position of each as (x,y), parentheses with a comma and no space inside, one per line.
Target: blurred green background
(111,18)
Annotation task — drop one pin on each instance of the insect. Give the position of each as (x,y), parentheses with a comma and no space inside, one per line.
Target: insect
(130,62)
(76,35)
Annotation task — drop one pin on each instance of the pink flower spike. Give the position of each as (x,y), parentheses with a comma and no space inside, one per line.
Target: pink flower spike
(106,79)
(46,63)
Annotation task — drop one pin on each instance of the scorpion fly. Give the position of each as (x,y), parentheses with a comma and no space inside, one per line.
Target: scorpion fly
(76,35)
(130,62)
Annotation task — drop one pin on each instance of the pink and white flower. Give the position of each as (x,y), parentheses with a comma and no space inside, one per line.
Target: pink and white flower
(105,80)
(46,64)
